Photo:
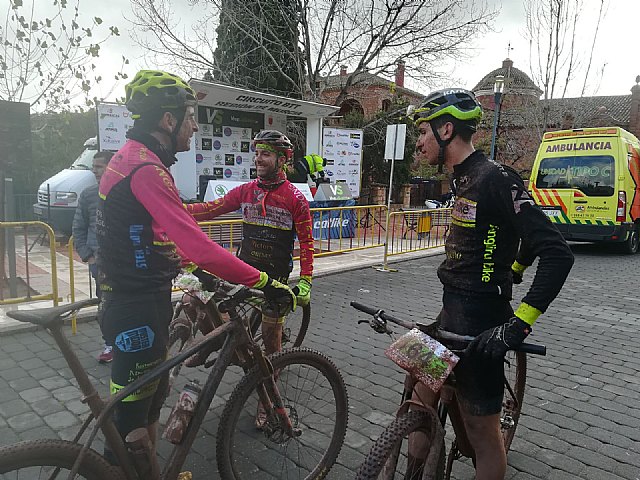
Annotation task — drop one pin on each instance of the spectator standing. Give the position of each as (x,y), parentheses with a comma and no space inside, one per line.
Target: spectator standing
(84,231)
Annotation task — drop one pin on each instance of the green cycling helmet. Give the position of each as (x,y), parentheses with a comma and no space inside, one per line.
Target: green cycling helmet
(457,102)
(154,89)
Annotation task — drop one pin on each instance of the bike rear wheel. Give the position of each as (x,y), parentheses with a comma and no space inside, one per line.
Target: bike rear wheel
(38,459)
(295,327)
(315,398)
(388,458)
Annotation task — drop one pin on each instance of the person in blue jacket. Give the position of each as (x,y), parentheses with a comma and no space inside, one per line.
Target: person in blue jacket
(84,230)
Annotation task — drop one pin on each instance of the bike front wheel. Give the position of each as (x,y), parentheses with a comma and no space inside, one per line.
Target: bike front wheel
(41,458)
(389,458)
(315,399)
(295,327)
(515,374)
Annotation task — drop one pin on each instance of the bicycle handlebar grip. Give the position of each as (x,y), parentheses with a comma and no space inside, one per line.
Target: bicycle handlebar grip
(532,349)
(364,308)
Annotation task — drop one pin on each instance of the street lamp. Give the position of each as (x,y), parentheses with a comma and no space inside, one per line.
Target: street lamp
(497,96)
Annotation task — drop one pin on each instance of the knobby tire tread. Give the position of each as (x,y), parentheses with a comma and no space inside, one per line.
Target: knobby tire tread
(56,453)
(246,387)
(386,446)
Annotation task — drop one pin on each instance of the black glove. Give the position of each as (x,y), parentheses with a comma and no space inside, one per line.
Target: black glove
(278,295)
(209,282)
(517,277)
(495,342)
(517,272)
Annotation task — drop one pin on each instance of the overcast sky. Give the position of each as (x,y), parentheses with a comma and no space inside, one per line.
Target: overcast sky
(617,46)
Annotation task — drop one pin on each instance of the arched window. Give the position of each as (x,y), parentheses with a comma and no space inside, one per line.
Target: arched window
(386,105)
(350,106)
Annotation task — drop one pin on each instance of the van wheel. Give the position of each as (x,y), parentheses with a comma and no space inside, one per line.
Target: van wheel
(630,246)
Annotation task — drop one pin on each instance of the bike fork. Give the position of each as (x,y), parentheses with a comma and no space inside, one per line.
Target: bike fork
(270,396)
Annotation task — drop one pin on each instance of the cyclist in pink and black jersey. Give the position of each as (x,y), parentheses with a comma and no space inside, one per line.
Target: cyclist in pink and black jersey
(139,217)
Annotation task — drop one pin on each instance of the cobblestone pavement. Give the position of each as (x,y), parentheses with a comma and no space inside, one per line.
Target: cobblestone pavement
(581,414)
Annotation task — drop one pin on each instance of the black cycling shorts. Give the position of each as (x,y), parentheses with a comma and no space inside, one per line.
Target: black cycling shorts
(480,382)
(138,328)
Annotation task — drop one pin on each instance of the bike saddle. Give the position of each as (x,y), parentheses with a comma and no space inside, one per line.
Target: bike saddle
(45,316)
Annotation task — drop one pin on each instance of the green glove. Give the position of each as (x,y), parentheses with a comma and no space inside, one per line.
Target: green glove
(279,295)
(303,290)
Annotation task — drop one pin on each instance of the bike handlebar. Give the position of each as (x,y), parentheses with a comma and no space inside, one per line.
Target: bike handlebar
(236,294)
(379,324)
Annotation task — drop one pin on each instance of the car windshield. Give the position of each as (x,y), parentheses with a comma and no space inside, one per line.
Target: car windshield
(84,160)
(592,175)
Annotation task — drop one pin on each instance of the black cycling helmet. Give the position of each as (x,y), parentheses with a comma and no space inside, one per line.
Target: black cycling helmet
(275,141)
(459,103)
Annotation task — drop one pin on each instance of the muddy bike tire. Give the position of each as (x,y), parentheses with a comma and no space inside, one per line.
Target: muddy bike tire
(387,458)
(303,376)
(21,460)
(516,375)
(296,326)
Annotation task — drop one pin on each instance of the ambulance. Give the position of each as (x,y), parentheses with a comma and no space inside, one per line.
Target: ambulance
(587,181)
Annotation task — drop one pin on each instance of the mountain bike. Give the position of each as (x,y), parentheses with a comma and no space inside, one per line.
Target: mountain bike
(388,457)
(197,313)
(301,390)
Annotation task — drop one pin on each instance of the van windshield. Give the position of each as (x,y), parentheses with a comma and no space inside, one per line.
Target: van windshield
(592,175)
(84,160)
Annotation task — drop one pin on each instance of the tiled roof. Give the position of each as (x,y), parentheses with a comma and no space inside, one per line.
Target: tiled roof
(360,80)
(514,79)
(586,111)
(618,107)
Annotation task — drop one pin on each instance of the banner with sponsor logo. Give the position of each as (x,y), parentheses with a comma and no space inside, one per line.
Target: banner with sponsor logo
(342,147)
(113,122)
(333,224)
(223,143)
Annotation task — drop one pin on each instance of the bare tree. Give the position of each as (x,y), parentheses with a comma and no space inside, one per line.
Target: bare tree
(48,61)
(553,28)
(366,35)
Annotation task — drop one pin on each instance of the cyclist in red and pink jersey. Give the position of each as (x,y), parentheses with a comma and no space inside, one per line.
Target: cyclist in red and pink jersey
(139,217)
(273,211)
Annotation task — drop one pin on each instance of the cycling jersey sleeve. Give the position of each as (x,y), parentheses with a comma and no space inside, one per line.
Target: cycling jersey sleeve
(542,240)
(155,190)
(525,255)
(210,210)
(303,226)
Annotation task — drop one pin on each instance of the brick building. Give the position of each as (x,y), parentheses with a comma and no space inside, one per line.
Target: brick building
(523,114)
(368,93)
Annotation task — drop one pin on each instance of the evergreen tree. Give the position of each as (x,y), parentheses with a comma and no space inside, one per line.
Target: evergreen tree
(261,55)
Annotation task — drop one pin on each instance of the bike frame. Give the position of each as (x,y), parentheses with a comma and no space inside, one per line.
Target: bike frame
(237,336)
(446,406)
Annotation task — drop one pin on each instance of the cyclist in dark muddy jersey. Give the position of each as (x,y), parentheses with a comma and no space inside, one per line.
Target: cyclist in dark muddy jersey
(139,222)
(491,213)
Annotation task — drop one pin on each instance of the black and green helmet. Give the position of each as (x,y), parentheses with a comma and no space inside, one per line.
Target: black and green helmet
(152,90)
(457,102)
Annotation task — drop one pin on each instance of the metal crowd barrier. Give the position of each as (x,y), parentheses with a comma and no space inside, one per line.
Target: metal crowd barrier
(419,229)
(335,229)
(19,266)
